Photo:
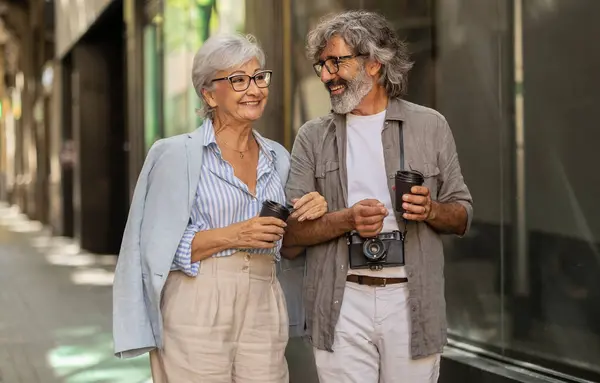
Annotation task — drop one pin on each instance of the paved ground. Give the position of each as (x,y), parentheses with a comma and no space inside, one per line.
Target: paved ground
(55,310)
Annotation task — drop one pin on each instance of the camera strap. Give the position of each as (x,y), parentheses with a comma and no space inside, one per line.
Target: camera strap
(401,141)
(401,135)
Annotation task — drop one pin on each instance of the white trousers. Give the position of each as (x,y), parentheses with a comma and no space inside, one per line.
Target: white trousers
(372,340)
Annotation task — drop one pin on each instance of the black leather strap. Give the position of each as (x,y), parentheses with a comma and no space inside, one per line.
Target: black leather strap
(401,132)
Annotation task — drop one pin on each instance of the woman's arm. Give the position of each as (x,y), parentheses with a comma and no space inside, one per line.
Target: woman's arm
(208,242)
(255,233)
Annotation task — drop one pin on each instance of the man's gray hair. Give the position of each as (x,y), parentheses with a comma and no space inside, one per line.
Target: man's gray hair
(220,52)
(370,34)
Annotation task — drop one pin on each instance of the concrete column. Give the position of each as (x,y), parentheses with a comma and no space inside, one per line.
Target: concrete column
(3,133)
(264,19)
(55,200)
(134,15)
(26,137)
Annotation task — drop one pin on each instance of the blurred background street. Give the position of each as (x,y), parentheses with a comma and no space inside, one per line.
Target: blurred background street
(56,302)
(86,87)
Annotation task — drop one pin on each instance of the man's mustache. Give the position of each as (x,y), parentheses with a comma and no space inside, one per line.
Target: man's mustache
(332,83)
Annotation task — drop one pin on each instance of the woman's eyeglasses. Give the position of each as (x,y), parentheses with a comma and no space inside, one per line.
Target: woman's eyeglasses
(241,82)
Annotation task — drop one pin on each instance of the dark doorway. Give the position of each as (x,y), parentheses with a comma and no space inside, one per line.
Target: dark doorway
(99,134)
(67,150)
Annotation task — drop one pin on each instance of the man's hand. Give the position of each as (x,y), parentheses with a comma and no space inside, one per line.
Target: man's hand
(367,217)
(311,206)
(418,204)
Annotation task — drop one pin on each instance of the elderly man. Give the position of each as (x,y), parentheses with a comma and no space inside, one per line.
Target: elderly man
(385,323)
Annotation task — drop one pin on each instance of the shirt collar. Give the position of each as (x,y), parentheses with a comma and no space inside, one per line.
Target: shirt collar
(210,138)
(396,109)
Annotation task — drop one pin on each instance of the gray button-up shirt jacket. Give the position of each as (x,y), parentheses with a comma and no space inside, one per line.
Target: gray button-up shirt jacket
(319,164)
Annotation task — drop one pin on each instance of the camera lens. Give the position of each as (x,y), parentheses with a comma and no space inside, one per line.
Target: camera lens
(274,209)
(373,249)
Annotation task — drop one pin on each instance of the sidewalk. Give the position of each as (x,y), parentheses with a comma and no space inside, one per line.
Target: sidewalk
(55,310)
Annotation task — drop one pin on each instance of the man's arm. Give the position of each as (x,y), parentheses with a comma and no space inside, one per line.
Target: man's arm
(448,218)
(326,228)
(366,217)
(453,210)
(301,181)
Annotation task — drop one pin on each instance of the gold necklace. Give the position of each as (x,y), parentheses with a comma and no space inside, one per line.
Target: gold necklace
(239,151)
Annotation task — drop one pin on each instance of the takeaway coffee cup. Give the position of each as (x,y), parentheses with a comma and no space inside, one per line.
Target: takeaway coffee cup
(273,209)
(405,180)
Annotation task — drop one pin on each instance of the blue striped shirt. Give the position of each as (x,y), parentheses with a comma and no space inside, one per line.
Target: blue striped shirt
(222,199)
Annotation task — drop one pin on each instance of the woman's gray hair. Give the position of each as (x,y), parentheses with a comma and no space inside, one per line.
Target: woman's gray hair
(366,33)
(220,52)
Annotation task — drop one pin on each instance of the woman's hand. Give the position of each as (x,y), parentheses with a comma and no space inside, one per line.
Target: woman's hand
(257,233)
(311,206)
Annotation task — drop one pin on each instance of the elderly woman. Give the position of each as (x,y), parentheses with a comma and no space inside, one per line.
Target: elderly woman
(195,283)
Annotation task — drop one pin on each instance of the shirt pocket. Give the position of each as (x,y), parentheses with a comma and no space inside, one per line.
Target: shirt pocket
(431,173)
(328,182)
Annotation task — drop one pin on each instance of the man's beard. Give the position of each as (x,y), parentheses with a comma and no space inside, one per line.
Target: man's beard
(356,89)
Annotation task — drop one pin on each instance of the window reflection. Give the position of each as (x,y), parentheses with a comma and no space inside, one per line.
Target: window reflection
(473,91)
(464,52)
(414,22)
(563,224)
(173,32)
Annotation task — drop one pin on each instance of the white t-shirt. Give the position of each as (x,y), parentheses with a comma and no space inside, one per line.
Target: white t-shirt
(367,178)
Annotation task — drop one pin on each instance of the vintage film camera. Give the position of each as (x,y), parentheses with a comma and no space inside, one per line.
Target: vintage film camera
(385,250)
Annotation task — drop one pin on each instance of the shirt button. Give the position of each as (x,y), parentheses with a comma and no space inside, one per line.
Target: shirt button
(247,257)
(342,267)
(336,302)
(414,308)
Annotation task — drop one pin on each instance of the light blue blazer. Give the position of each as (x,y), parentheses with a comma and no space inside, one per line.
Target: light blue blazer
(158,216)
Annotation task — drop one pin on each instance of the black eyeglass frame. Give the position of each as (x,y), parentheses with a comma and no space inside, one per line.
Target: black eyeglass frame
(251,78)
(336,62)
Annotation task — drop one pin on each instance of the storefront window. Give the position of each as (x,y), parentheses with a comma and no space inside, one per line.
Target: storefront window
(521,284)
(173,33)
(414,22)
(152,81)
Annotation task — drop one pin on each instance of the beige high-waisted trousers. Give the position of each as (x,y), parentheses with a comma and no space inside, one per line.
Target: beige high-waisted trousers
(228,324)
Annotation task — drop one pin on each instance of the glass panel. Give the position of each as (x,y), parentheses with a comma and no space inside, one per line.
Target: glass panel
(413,20)
(473,66)
(560,315)
(521,282)
(187,24)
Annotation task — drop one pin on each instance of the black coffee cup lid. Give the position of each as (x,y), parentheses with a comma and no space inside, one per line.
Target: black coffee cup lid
(412,176)
(282,211)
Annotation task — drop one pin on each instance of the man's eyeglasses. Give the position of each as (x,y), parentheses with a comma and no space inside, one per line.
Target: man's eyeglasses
(241,82)
(332,64)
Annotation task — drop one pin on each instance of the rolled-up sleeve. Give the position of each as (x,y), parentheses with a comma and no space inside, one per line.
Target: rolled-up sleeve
(452,184)
(301,179)
(183,256)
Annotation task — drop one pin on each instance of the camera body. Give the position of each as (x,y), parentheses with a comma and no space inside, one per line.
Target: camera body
(385,250)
